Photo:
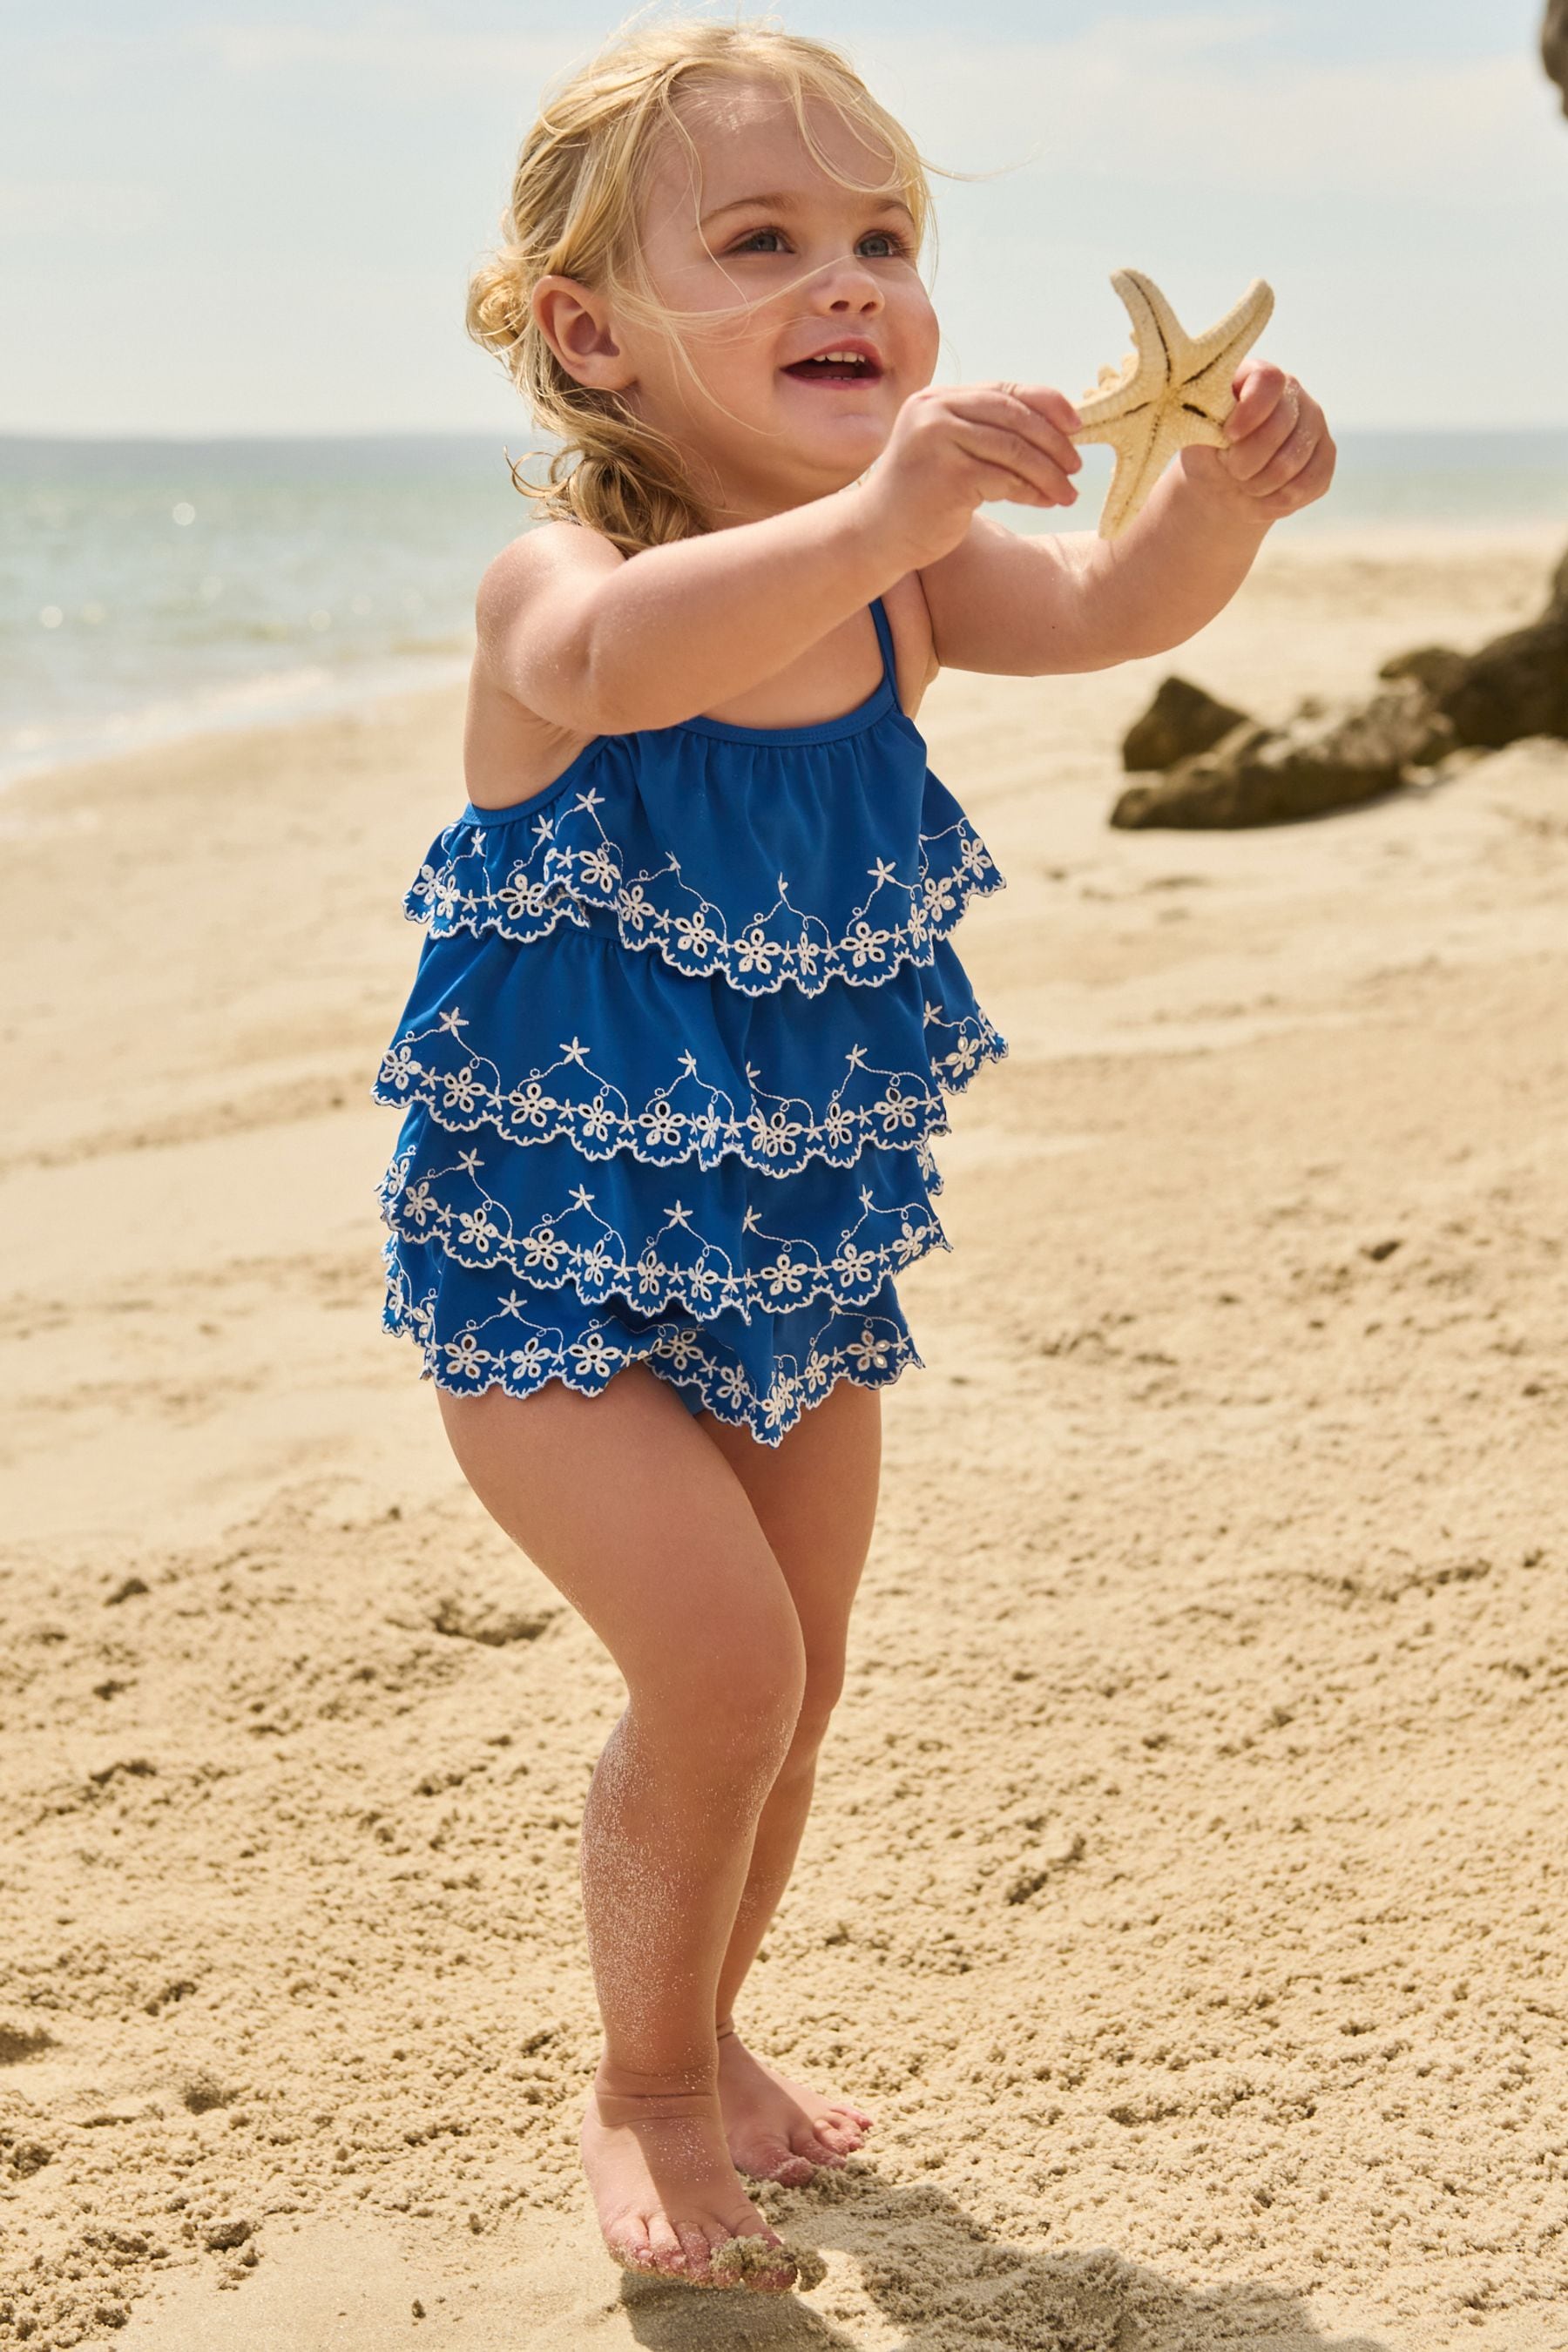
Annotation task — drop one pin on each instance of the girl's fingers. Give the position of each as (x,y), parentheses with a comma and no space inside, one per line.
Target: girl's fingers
(1005,405)
(1006,451)
(1310,483)
(1248,455)
(1290,459)
(1259,387)
(1047,402)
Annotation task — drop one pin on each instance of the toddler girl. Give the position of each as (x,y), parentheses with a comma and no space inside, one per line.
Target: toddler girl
(688,1008)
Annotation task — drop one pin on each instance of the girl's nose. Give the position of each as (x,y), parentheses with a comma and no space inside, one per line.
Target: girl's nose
(847,280)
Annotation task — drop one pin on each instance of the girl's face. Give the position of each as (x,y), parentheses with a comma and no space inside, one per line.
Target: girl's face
(820,269)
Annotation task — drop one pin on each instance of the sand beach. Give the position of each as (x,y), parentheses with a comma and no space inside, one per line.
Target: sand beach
(1184,1893)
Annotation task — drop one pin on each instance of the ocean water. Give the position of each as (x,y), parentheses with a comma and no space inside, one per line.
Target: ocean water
(157,588)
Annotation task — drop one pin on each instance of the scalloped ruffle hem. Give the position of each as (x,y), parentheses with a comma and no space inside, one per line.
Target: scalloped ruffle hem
(669,1068)
(726,906)
(623,1230)
(762,1376)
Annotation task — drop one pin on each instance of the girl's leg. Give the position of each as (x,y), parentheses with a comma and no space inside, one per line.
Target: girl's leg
(815,1497)
(630,1510)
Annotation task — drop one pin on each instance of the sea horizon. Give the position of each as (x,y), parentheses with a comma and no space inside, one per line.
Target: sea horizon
(157,586)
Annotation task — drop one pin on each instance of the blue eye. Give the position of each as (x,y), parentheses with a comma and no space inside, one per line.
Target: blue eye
(890,236)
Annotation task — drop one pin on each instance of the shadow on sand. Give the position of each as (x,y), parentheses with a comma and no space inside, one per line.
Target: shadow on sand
(930,2268)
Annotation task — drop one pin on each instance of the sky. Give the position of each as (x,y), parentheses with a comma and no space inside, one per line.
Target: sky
(255,218)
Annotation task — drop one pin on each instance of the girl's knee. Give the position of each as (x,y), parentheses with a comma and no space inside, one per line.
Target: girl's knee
(736,1712)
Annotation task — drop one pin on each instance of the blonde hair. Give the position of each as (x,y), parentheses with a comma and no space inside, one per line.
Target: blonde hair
(576,197)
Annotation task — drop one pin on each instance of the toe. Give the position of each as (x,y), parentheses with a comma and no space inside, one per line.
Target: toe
(838,2132)
(664,2246)
(805,2143)
(850,2118)
(749,2224)
(629,2245)
(694,2248)
(770,2159)
(775,2282)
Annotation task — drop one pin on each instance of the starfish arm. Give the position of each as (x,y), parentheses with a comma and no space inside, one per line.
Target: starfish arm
(1146,371)
(1158,327)
(1134,439)
(1233,338)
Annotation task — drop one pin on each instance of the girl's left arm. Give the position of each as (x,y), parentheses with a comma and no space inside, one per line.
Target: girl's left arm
(1022,607)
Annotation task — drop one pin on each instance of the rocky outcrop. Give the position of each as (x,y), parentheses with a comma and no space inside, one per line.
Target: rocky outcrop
(1516,686)
(1554,45)
(1434,701)
(1436,668)
(1180,722)
(1322,760)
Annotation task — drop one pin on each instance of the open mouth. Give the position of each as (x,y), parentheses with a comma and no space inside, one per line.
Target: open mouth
(835,369)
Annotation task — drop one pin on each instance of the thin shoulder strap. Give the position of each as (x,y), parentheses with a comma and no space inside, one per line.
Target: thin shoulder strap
(885,638)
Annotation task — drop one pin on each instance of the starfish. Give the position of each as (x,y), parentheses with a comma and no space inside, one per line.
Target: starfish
(1173,391)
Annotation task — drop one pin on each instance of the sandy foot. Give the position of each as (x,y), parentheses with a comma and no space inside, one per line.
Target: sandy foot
(668,2200)
(778,2130)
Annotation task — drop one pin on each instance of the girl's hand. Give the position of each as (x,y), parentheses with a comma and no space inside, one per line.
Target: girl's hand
(1279,453)
(953,446)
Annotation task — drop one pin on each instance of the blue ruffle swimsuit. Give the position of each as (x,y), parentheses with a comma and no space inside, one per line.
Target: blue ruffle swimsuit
(677,1041)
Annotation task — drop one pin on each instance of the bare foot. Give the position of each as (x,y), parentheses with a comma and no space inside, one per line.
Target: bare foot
(776,2128)
(666,2197)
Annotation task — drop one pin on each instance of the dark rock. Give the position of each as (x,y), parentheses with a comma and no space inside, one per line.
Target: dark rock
(1180,722)
(1554,45)
(1559,588)
(1436,668)
(1517,685)
(1260,775)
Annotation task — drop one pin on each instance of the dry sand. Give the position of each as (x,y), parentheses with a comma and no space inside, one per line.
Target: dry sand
(1185,1889)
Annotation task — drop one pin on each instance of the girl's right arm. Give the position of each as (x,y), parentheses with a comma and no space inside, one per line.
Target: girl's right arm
(600,644)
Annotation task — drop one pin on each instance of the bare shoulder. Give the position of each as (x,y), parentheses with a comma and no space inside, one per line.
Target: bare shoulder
(523,729)
(540,562)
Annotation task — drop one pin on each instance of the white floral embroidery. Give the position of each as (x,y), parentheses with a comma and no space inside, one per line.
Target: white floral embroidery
(866,944)
(541,1249)
(475,880)
(756,951)
(595,1353)
(661,1124)
(529,1106)
(771,1132)
(460,1207)
(870,1348)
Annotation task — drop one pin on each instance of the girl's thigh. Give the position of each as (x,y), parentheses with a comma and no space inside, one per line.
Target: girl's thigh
(815,1497)
(627,1505)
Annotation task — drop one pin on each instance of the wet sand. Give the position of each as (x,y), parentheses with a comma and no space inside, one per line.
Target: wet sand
(1185,1887)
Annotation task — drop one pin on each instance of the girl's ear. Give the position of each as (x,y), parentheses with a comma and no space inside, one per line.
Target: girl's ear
(575,322)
